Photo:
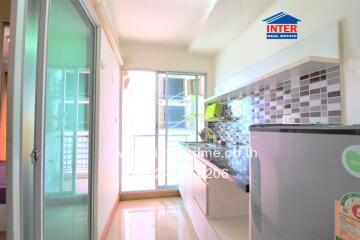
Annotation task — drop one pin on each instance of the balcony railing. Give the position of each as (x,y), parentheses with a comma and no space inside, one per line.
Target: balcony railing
(143,151)
(81,153)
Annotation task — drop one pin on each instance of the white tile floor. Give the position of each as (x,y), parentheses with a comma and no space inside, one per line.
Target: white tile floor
(152,219)
(66,222)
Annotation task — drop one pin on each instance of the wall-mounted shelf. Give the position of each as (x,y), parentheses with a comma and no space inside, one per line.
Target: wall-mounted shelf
(295,69)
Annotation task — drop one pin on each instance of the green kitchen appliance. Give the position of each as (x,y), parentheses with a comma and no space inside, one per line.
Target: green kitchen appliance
(213,112)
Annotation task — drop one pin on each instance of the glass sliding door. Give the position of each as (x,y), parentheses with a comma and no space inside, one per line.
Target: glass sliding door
(160,109)
(67,133)
(181,108)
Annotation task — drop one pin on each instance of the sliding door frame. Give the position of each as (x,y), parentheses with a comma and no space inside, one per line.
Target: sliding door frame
(157,73)
(39,144)
(93,110)
(166,126)
(14,135)
(40,114)
(156,130)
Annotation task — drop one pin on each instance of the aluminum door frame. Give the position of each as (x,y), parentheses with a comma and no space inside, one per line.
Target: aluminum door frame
(39,142)
(41,70)
(14,121)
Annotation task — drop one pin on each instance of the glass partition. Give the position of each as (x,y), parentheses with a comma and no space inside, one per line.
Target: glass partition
(68,101)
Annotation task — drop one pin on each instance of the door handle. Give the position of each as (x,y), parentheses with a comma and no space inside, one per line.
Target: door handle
(34,155)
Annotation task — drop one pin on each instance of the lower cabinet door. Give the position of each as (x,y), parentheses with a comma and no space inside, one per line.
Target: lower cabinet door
(183,166)
(202,226)
(200,192)
(199,220)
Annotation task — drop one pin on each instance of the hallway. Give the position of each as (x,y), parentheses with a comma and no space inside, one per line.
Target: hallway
(160,219)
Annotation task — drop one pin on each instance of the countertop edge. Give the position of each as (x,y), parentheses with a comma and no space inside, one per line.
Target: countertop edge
(310,129)
(244,186)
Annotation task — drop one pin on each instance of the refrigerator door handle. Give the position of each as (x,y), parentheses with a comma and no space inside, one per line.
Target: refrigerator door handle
(255,189)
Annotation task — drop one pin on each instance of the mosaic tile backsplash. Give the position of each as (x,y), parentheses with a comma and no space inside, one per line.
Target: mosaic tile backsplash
(311,98)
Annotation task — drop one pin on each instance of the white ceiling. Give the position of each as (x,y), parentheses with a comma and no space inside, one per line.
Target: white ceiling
(226,21)
(203,26)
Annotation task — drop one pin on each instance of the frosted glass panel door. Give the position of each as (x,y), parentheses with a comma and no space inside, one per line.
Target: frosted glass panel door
(67,123)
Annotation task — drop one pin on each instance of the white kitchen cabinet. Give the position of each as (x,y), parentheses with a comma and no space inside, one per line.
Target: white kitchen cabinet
(203,227)
(186,185)
(200,169)
(215,206)
(182,171)
(200,192)
(188,188)
(225,199)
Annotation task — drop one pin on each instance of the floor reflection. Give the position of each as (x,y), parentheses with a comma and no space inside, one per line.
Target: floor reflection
(66,222)
(153,219)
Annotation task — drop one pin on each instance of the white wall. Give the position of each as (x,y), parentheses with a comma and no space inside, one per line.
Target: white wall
(166,58)
(252,47)
(108,130)
(286,59)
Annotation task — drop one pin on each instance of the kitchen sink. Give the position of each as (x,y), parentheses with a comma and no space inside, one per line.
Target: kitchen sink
(200,145)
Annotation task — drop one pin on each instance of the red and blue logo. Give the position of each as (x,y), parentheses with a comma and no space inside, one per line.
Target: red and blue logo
(282,26)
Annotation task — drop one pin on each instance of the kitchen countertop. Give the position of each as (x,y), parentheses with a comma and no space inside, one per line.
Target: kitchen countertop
(307,128)
(234,161)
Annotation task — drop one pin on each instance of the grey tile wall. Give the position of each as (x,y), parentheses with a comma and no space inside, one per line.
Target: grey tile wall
(311,98)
